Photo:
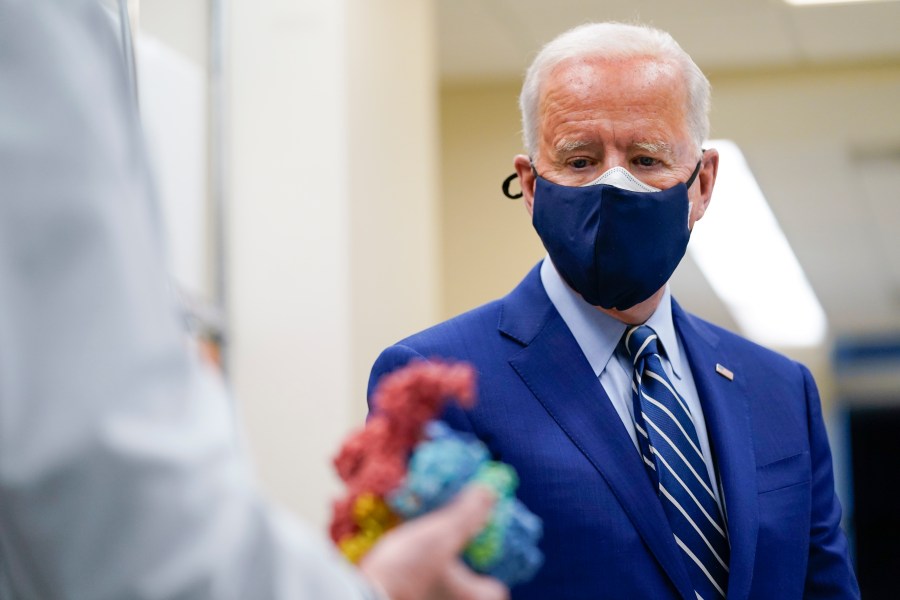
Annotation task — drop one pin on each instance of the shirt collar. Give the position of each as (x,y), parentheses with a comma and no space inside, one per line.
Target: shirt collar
(596,332)
(662,323)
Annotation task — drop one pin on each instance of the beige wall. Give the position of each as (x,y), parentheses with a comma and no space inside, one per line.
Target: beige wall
(487,242)
(392,178)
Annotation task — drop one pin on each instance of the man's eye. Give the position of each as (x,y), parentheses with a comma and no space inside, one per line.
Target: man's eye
(579,163)
(646,161)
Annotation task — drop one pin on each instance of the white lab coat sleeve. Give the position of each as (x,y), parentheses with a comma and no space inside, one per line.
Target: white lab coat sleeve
(120,476)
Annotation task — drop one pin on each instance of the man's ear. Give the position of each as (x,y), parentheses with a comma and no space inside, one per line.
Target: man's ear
(706,180)
(526,175)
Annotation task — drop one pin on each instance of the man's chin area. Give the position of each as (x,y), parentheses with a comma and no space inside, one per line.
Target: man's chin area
(628,316)
(639,313)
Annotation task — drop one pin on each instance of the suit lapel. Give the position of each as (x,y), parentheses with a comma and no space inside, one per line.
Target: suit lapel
(553,367)
(726,409)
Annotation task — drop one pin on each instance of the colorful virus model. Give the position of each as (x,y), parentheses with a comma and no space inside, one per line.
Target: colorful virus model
(404,463)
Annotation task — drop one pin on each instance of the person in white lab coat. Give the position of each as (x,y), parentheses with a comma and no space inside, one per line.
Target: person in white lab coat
(120,475)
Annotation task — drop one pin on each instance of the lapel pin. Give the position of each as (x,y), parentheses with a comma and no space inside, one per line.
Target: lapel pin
(726,373)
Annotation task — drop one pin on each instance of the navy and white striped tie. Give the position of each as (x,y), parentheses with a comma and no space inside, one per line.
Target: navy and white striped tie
(671,451)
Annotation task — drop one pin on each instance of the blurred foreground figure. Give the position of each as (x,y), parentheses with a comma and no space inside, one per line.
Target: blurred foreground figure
(119,472)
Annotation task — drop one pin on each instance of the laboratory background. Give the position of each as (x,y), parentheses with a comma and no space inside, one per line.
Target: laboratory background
(330,173)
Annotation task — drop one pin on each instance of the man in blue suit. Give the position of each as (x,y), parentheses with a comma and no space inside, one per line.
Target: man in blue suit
(667,457)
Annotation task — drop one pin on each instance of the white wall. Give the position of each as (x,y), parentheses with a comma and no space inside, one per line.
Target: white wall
(333,251)
(171,54)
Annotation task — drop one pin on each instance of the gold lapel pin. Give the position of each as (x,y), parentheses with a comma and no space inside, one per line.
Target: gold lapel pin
(726,373)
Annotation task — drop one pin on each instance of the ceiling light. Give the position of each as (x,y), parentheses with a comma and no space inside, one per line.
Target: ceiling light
(747,260)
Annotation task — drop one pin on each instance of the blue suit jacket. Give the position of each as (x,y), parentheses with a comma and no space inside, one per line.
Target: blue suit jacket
(542,410)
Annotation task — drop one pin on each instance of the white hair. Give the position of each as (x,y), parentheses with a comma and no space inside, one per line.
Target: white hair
(614,41)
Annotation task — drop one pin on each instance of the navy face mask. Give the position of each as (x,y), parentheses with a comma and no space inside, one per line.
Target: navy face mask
(616,247)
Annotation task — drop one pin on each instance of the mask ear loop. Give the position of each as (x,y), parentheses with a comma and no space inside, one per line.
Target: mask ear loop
(509,180)
(696,172)
(505,187)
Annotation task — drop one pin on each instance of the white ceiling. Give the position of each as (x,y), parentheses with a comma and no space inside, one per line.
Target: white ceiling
(488,39)
(839,205)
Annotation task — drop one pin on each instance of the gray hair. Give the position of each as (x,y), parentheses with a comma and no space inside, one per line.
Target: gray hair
(613,40)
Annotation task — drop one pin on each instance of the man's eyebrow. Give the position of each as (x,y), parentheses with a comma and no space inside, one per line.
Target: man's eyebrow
(565,145)
(655,147)
(659,147)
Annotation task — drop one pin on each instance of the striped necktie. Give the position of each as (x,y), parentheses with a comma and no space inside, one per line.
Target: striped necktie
(671,451)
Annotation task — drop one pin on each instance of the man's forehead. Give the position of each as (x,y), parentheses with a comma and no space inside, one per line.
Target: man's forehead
(583,70)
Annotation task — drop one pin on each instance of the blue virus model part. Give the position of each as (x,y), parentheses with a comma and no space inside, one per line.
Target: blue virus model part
(439,468)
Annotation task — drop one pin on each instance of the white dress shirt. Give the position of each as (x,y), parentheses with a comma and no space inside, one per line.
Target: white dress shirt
(598,336)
